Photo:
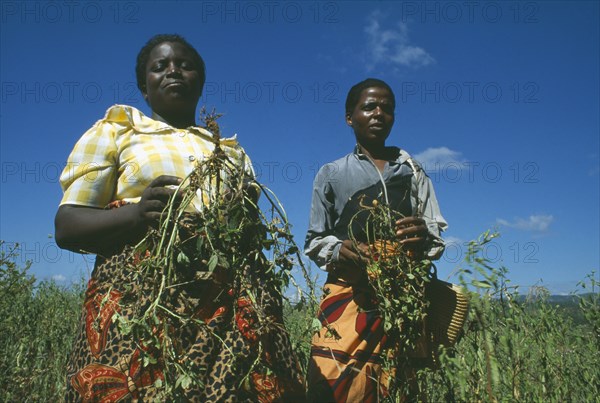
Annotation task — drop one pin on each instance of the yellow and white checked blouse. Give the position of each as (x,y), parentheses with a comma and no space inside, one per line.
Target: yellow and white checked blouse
(123,152)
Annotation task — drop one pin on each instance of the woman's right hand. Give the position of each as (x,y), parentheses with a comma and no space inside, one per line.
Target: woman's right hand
(352,261)
(155,198)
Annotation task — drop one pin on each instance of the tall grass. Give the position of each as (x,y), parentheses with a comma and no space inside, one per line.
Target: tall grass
(37,327)
(518,349)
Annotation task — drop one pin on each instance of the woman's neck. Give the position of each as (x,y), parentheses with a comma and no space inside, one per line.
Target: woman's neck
(179,122)
(376,152)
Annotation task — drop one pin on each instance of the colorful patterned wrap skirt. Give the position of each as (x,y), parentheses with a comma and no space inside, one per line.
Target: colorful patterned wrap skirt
(230,358)
(346,362)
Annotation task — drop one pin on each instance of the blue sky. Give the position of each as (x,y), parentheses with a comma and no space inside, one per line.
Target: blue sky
(499,101)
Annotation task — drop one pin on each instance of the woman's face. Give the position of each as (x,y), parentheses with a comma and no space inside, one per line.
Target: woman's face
(373,116)
(172,80)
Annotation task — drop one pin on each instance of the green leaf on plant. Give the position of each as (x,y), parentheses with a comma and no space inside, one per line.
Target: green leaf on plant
(481,284)
(213,261)
(182,258)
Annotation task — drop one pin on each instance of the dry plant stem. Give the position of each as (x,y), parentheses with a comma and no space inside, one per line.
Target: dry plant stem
(278,207)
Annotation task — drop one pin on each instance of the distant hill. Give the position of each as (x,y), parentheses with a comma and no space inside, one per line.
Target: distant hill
(557,299)
(568,305)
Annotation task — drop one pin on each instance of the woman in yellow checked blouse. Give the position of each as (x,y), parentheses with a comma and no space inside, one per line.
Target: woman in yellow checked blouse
(119,177)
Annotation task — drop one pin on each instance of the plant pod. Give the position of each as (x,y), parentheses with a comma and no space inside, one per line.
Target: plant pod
(386,249)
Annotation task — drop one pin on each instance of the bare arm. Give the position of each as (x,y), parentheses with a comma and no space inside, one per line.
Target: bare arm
(93,230)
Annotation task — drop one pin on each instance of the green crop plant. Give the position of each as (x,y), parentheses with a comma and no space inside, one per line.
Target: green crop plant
(38,321)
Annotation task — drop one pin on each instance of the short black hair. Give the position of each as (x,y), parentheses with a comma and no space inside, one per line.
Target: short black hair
(144,54)
(357,89)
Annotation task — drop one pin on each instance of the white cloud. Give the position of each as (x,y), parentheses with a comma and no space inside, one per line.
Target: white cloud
(59,277)
(392,46)
(534,223)
(440,157)
(453,240)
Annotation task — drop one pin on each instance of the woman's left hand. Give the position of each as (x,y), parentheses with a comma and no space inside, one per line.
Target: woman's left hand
(412,233)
